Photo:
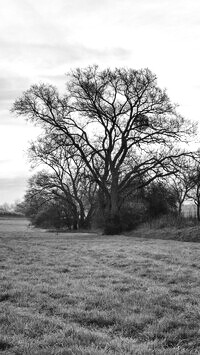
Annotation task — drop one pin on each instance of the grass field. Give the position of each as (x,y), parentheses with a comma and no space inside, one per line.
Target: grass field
(91,294)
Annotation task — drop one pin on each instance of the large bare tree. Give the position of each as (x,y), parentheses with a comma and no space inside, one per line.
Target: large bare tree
(120,122)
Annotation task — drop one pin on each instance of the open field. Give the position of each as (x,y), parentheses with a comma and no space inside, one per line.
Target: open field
(91,294)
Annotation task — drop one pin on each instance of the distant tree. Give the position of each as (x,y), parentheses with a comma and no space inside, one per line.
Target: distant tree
(9,210)
(194,193)
(183,182)
(20,207)
(119,121)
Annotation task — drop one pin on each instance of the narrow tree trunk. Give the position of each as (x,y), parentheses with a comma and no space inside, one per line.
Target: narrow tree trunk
(198,211)
(75,219)
(180,208)
(75,225)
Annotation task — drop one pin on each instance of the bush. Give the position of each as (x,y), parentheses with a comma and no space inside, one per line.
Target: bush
(51,215)
(160,200)
(132,214)
(112,226)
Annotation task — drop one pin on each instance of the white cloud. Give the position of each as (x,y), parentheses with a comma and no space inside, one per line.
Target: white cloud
(13,147)
(12,189)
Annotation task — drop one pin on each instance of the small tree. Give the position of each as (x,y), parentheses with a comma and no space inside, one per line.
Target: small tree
(183,182)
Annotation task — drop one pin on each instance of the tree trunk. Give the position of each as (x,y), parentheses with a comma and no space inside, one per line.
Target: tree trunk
(198,211)
(75,221)
(112,220)
(180,208)
(87,221)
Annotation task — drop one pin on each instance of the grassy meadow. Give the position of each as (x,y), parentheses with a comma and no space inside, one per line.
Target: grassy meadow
(91,294)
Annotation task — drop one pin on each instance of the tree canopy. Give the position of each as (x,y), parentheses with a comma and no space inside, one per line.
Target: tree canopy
(120,124)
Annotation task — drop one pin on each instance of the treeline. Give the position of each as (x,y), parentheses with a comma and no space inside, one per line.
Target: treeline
(111,151)
(11,210)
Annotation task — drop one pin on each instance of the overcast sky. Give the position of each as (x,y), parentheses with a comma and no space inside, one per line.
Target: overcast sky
(40,40)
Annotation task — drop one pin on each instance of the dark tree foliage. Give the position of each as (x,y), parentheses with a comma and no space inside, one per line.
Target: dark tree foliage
(160,200)
(121,124)
(52,214)
(44,207)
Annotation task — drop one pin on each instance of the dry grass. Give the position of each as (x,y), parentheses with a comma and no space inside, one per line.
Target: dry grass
(169,227)
(90,294)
